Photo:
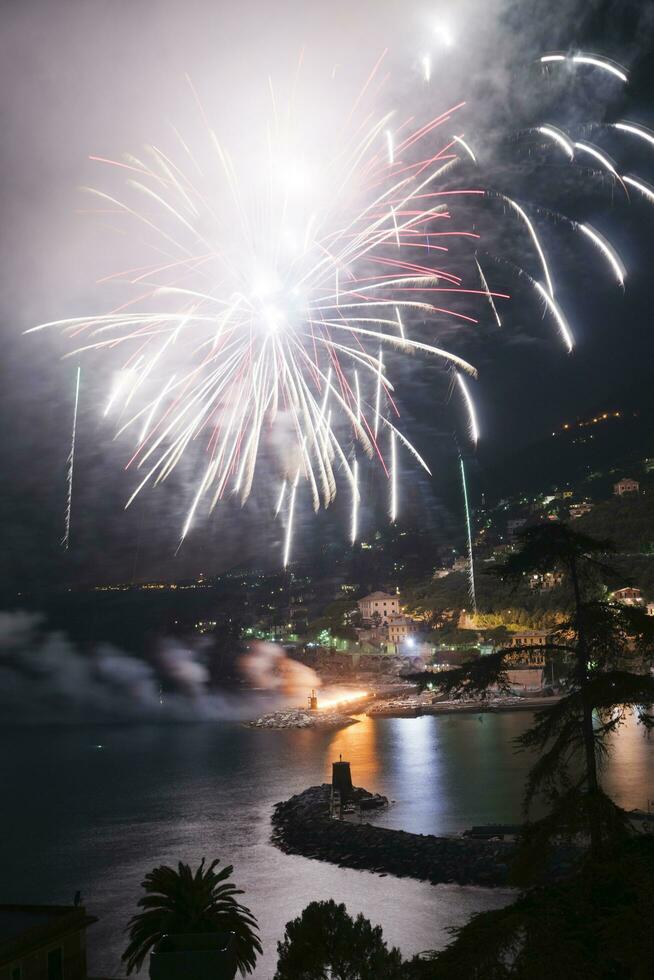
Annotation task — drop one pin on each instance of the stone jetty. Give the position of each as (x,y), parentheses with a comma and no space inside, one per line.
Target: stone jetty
(298,718)
(302,825)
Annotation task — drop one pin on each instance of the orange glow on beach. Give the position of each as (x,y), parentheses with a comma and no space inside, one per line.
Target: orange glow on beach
(345,698)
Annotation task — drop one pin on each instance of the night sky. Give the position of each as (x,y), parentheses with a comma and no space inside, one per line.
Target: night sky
(84,77)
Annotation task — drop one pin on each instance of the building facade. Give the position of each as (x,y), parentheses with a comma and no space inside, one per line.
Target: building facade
(578,510)
(544,581)
(625,485)
(530,647)
(43,942)
(379,604)
(400,629)
(628,597)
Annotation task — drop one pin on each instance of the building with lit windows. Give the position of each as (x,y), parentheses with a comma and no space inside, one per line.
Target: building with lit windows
(400,629)
(379,605)
(628,596)
(625,485)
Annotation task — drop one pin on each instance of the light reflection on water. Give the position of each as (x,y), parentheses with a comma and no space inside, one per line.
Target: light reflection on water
(97,819)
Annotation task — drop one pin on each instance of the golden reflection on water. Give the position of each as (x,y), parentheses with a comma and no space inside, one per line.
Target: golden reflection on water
(629,770)
(358,745)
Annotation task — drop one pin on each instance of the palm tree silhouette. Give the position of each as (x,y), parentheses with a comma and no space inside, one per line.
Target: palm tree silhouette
(185,902)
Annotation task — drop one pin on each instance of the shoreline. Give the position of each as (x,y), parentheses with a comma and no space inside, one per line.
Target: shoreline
(462,707)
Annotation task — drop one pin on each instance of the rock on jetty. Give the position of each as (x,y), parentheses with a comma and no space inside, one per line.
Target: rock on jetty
(298,718)
(302,825)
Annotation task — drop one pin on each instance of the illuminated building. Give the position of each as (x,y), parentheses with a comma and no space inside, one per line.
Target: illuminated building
(379,604)
(532,644)
(628,596)
(625,485)
(400,629)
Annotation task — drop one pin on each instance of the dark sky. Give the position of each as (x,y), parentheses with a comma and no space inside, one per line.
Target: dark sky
(82,77)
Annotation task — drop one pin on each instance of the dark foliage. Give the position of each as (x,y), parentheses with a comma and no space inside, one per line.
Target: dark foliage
(186,902)
(325,943)
(596,924)
(606,649)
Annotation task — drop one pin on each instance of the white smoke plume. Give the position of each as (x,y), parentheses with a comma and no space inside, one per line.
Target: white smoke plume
(45,678)
(267,668)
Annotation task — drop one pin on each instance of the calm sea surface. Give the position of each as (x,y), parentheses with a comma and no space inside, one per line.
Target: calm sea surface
(93,808)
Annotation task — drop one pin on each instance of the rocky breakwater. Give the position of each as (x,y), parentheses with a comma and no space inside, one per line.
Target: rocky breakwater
(302,825)
(298,718)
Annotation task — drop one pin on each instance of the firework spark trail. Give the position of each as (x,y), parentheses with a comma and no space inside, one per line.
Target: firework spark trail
(581,58)
(534,237)
(380,370)
(473,426)
(607,250)
(560,138)
(557,314)
(602,158)
(391,147)
(71,464)
(589,59)
(280,499)
(400,325)
(426,68)
(466,146)
(641,186)
(489,295)
(471,567)
(393,507)
(640,131)
(289,526)
(354,526)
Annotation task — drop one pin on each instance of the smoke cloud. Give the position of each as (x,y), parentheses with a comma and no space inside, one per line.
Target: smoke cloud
(44,678)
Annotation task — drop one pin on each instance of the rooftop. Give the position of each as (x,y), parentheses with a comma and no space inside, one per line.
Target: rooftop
(379,595)
(27,926)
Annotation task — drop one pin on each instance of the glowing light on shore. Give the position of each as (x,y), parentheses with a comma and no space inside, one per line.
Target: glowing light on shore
(328,704)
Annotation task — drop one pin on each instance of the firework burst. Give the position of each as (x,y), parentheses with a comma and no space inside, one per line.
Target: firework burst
(266,318)
(273,299)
